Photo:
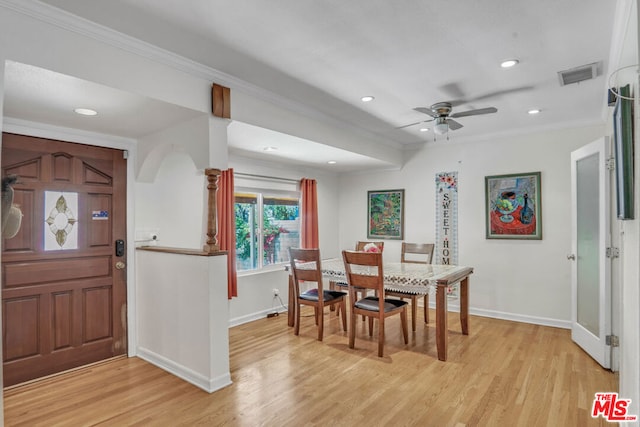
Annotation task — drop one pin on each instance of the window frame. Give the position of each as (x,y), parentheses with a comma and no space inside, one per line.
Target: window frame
(261,194)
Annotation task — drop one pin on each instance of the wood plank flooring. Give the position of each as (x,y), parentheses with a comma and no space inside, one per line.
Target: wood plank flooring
(502,374)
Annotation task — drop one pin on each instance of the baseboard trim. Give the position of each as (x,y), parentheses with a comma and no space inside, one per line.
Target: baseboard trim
(207,384)
(513,317)
(237,321)
(522,318)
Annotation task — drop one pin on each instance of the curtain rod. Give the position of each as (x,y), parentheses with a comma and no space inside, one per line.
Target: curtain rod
(275,178)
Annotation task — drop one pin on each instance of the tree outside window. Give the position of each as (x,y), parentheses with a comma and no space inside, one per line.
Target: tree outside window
(266,227)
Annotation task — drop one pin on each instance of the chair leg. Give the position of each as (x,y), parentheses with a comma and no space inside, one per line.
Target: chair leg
(352,329)
(426,308)
(380,335)
(296,329)
(333,307)
(405,329)
(370,326)
(320,319)
(332,287)
(343,308)
(414,311)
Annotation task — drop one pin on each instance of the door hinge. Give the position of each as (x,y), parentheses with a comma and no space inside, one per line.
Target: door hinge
(611,164)
(612,340)
(613,252)
(125,154)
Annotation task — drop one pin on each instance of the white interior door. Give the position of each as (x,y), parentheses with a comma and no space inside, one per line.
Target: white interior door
(590,277)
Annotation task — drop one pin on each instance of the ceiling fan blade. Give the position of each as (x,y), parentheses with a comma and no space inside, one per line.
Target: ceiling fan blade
(406,126)
(426,111)
(453,125)
(452,89)
(498,93)
(458,98)
(413,124)
(479,111)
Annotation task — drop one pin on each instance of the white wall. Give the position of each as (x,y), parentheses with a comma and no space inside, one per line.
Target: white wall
(182,326)
(173,205)
(629,237)
(525,280)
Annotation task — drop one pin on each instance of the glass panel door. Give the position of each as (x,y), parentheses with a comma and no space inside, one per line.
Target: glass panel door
(590,280)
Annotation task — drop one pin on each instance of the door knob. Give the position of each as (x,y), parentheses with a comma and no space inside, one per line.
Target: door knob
(571,257)
(120,265)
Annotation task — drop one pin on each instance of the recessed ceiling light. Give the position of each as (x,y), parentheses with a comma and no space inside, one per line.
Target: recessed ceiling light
(424,129)
(270,148)
(368,98)
(509,63)
(85,111)
(534,111)
(332,162)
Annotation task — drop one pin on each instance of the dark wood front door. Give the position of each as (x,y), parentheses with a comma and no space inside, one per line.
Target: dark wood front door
(63,284)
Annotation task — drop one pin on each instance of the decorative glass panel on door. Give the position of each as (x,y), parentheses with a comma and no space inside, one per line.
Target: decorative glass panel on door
(588,241)
(60,222)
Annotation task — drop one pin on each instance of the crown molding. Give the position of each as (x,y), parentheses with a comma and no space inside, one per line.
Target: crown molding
(65,20)
(44,130)
(530,130)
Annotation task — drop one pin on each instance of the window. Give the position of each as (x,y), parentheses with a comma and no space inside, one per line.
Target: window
(267,225)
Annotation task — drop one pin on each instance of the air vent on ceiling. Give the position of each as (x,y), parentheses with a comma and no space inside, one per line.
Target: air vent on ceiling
(578,74)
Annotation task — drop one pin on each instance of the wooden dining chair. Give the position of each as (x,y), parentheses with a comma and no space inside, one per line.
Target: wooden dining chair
(373,307)
(417,253)
(318,298)
(360,244)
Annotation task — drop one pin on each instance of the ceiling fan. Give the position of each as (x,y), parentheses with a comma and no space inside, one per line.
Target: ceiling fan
(441,115)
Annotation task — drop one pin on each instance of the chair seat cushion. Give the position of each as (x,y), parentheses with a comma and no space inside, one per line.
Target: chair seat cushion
(343,284)
(312,295)
(371,304)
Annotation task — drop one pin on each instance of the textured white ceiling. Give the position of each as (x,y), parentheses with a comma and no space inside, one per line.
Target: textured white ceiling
(406,53)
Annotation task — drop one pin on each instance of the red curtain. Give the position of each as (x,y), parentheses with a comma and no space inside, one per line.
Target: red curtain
(227,227)
(309,213)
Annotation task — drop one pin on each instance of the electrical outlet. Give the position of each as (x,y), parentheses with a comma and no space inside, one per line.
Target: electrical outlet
(276,292)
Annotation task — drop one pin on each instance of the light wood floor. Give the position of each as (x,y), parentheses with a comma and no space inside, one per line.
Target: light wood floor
(502,374)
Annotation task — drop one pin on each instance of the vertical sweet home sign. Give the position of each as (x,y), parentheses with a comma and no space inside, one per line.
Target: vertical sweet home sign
(446,251)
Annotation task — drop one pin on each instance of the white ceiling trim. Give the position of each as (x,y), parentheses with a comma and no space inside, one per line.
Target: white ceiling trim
(43,130)
(65,20)
(442,139)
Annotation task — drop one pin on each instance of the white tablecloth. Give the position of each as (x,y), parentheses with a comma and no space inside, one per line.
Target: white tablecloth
(409,278)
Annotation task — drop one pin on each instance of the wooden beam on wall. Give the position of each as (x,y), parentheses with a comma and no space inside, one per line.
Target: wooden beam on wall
(221,101)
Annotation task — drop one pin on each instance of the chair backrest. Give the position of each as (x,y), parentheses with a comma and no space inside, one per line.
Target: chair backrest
(359,276)
(311,271)
(361,244)
(423,250)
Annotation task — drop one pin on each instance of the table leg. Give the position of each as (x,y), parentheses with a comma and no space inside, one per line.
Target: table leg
(442,329)
(292,304)
(464,306)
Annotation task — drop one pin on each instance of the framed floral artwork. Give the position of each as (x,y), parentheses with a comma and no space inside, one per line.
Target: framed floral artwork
(385,209)
(513,206)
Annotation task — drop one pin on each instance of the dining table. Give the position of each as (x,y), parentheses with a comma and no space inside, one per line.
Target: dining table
(410,278)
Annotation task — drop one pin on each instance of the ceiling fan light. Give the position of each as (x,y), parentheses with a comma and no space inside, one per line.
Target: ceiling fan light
(441,127)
